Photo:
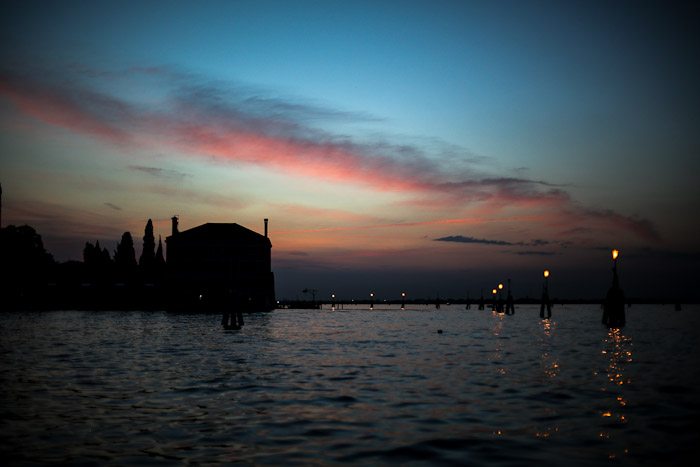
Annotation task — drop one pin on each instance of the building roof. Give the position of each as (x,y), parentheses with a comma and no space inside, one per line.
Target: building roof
(221,231)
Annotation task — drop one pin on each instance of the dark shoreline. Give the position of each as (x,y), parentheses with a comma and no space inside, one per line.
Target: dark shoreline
(162,306)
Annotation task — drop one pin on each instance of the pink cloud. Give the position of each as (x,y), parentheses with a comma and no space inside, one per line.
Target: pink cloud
(68,110)
(202,122)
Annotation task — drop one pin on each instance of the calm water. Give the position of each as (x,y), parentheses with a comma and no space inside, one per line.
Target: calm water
(323,387)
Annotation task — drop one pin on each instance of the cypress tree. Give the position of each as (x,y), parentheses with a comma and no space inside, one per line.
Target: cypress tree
(125,256)
(160,259)
(148,254)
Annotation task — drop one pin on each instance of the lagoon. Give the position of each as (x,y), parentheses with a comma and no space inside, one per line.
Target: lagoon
(352,386)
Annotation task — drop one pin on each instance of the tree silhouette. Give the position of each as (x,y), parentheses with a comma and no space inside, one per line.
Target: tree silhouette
(159,262)
(25,262)
(89,253)
(105,259)
(98,263)
(148,255)
(125,258)
(160,259)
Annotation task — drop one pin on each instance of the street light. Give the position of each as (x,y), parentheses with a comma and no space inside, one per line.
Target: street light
(546,305)
(499,302)
(371,301)
(403,300)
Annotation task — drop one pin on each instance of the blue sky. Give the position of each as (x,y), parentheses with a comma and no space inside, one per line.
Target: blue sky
(572,122)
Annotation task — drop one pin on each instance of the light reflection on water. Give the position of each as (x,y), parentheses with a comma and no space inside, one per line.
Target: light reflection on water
(350,386)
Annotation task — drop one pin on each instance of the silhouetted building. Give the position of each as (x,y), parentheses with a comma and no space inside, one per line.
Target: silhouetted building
(217,266)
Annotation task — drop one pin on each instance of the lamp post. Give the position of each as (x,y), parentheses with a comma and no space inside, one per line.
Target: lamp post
(546,305)
(614,304)
(403,300)
(371,300)
(333,301)
(494,292)
(499,307)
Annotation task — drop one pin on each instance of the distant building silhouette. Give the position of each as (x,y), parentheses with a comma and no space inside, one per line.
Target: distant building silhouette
(216,266)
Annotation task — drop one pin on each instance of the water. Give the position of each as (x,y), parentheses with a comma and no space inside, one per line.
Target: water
(323,387)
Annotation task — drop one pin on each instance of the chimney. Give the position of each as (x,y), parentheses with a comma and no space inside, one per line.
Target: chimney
(174,219)
(266,220)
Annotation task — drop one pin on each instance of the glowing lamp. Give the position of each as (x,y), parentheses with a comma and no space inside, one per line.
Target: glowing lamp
(500,286)
(546,273)
(615,254)
(494,291)
(371,294)
(403,294)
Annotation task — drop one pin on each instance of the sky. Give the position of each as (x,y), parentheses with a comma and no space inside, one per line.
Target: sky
(431,147)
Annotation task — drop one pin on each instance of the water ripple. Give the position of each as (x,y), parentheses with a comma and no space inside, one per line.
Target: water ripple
(382,387)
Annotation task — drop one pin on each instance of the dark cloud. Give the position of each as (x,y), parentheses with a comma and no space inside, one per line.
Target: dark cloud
(113,206)
(640,226)
(535,253)
(463,239)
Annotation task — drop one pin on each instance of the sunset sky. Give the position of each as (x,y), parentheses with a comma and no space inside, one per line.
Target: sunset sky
(433,147)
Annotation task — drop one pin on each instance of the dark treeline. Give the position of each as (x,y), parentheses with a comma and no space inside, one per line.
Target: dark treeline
(32,279)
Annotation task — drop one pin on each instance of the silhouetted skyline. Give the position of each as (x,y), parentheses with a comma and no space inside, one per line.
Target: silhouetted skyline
(435,148)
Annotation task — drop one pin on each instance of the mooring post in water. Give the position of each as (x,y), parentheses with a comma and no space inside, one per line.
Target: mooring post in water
(510,306)
(239,316)
(469,302)
(614,305)
(233,312)
(546,305)
(499,302)
(481,300)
